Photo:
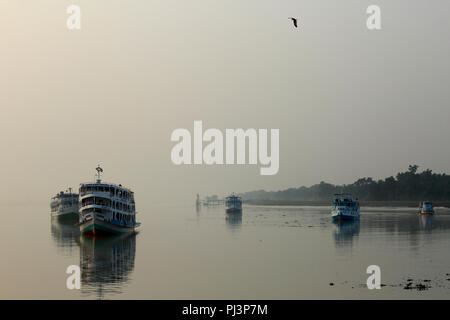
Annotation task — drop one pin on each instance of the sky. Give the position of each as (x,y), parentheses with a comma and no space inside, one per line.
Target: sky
(348,102)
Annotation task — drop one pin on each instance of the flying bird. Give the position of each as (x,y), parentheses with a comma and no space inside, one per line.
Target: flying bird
(294,20)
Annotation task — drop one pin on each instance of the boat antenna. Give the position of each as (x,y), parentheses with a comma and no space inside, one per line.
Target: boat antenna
(99,171)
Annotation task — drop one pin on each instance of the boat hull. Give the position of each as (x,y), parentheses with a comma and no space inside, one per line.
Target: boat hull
(66,216)
(96,227)
(233,210)
(343,216)
(427,209)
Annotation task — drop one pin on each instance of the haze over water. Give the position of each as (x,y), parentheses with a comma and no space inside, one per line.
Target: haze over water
(267,253)
(349,102)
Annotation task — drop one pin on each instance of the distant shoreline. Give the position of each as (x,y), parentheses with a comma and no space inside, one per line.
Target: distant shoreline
(412,204)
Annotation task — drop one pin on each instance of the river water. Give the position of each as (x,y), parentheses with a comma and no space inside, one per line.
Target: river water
(266,253)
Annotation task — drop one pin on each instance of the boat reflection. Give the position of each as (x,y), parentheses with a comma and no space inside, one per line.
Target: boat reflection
(345,231)
(234,221)
(65,234)
(106,263)
(426,222)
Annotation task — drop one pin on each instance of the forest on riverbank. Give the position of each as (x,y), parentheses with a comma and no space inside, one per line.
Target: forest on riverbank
(407,186)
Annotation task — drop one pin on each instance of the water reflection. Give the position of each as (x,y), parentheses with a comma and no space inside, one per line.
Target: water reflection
(65,234)
(234,221)
(408,222)
(106,263)
(426,222)
(345,231)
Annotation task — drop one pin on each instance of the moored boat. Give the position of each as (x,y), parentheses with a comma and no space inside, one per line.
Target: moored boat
(426,207)
(345,207)
(233,204)
(106,208)
(64,205)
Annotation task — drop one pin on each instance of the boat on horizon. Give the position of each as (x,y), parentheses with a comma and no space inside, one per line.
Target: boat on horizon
(426,207)
(106,208)
(64,205)
(345,207)
(233,204)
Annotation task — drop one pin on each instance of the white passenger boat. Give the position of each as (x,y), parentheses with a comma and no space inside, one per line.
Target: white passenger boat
(106,208)
(233,204)
(426,207)
(64,205)
(345,208)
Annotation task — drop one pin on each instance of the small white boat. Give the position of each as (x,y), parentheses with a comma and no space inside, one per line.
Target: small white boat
(233,204)
(345,208)
(426,207)
(106,208)
(64,205)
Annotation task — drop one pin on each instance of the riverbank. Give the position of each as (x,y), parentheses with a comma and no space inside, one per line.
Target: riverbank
(412,204)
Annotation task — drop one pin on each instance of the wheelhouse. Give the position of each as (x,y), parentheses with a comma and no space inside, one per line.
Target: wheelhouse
(344,200)
(233,199)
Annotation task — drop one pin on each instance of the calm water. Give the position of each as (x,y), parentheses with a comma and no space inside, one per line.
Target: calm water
(267,253)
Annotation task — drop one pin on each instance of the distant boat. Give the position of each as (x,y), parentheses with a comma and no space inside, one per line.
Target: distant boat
(426,207)
(233,204)
(64,205)
(106,209)
(345,208)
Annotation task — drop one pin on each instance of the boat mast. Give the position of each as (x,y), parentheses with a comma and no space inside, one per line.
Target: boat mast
(99,171)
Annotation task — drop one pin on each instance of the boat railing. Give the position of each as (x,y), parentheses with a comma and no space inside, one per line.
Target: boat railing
(107,184)
(106,194)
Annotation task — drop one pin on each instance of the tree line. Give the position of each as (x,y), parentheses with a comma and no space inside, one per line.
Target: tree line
(405,186)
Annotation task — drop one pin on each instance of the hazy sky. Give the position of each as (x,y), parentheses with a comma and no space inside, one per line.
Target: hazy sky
(349,102)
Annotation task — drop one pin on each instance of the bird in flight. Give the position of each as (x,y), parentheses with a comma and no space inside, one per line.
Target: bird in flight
(294,20)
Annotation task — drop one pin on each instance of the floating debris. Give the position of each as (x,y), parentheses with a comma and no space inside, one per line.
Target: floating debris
(419,286)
